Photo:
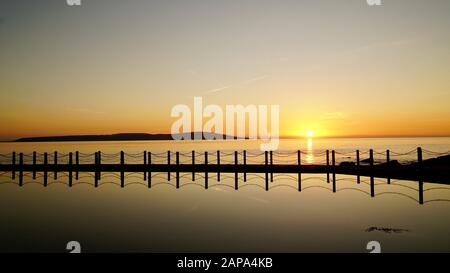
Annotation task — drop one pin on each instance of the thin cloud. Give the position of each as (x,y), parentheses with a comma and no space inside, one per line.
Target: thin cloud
(192,72)
(252,80)
(386,44)
(218,89)
(259,78)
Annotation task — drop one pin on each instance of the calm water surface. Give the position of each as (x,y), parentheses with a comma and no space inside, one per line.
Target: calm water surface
(221,219)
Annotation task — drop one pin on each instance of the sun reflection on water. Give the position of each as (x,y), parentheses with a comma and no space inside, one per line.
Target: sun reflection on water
(309,150)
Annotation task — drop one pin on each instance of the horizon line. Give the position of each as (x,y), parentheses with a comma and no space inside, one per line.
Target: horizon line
(246,138)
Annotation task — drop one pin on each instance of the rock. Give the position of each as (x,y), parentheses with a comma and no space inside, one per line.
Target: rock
(393,163)
(387,230)
(441,160)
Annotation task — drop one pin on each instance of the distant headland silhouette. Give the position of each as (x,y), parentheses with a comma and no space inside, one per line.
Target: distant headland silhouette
(125,137)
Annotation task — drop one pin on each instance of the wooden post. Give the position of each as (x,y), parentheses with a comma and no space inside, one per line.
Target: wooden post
(358,178)
(218,166)
(245,166)
(77,163)
(55,161)
(267,173)
(328,166)
(419,169)
(206,170)
(372,179)
(333,163)
(271,166)
(177,157)
(70,168)
(13,163)
(21,169)
(388,160)
(34,165)
(236,181)
(95,171)
(299,161)
(145,165)
(193,165)
(149,169)
(168,165)
(45,169)
(122,167)
(99,167)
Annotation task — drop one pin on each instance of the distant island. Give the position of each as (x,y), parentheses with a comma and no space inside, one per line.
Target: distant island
(121,137)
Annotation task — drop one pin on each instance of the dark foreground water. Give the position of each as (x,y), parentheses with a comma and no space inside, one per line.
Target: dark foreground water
(221,219)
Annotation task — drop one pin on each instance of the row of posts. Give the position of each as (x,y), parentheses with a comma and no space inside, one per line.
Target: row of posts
(148,161)
(236,164)
(45,164)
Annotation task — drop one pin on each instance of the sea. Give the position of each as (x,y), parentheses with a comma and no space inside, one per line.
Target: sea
(164,219)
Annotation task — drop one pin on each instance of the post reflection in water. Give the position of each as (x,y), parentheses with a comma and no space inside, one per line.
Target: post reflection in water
(145,196)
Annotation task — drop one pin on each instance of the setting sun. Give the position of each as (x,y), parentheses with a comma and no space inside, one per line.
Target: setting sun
(309,133)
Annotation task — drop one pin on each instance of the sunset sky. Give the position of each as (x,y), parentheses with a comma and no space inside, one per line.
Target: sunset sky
(335,67)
